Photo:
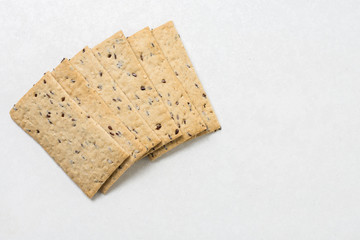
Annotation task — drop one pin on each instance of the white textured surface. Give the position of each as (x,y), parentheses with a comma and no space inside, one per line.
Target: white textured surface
(284,79)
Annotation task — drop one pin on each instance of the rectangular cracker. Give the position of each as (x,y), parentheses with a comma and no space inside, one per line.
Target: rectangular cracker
(118,59)
(168,86)
(86,153)
(100,80)
(173,49)
(87,98)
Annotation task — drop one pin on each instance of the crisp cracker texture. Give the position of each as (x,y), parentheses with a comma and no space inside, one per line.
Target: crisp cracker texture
(168,86)
(87,98)
(116,56)
(173,49)
(86,153)
(100,80)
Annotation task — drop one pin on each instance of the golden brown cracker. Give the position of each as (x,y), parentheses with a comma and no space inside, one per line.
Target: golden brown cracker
(168,86)
(173,49)
(86,153)
(116,56)
(87,98)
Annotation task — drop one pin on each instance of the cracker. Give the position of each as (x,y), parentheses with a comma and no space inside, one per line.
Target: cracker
(86,153)
(116,56)
(99,79)
(87,98)
(173,49)
(168,86)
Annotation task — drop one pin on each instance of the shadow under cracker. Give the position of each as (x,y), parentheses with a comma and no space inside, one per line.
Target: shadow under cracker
(140,166)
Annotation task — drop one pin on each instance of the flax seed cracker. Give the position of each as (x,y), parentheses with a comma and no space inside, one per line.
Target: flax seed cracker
(86,153)
(116,56)
(87,98)
(168,86)
(99,79)
(173,49)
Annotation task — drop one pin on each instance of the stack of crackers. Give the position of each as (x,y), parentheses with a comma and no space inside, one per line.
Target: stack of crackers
(99,112)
